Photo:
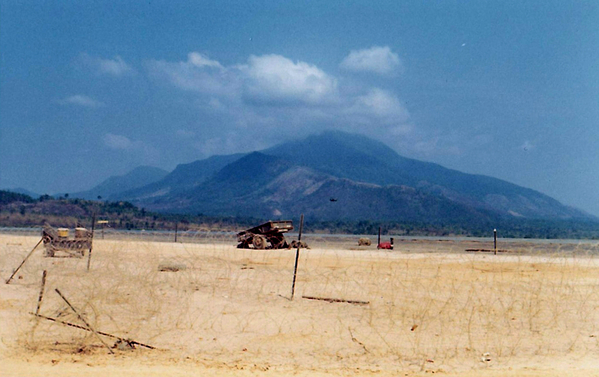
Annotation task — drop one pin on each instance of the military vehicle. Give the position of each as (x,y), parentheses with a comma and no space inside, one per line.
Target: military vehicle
(58,243)
(265,236)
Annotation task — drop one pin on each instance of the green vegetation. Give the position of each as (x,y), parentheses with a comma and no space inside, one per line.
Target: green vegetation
(7,197)
(18,210)
(507,228)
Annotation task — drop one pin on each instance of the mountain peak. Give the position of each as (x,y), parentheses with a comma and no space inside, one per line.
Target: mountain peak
(372,179)
(336,142)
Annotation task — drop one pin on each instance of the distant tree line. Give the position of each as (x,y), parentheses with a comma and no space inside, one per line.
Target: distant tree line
(19,210)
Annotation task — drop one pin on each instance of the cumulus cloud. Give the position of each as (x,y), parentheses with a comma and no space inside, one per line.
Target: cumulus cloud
(112,67)
(380,60)
(381,104)
(274,78)
(268,79)
(113,141)
(81,100)
(271,95)
(199,74)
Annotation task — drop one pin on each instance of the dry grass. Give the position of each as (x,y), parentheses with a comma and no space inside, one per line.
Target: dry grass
(441,311)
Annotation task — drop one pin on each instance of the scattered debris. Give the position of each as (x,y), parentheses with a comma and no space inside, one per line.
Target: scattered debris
(301,244)
(171,266)
(385,245)
(486,357)
(364,242)
(124,345)
(487,251)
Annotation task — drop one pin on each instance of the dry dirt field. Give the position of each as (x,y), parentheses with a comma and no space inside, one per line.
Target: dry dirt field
(426,307)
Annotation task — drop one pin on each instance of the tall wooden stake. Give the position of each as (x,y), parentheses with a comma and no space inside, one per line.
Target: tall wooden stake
(91,245)
(24,260)
(495,240)
(299,239)
(176,230)
(83,320)
(41,296)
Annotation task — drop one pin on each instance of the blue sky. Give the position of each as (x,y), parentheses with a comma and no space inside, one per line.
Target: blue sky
(90,89)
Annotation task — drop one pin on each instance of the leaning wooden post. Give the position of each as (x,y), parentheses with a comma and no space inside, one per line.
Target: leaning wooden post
(24,260)
(91,244)
(86,329)
(83,320)
(299,244)
(41,296)
(495,240)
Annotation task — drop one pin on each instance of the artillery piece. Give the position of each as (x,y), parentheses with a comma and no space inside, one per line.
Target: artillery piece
(57,240)
(265,236)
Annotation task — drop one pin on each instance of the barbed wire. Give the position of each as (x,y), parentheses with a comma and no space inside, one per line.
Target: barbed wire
(426,305)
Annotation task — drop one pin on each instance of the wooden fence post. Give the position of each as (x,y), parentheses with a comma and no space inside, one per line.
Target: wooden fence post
(299,244)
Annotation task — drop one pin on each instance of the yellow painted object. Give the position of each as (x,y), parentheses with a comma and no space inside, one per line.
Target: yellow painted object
(63,232)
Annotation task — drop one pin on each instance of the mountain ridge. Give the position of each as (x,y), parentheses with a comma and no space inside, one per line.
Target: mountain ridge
(113,186)
(372,180)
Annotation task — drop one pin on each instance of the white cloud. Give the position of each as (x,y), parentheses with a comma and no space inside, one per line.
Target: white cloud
(116,67)
(382,104)
(267,79)
(200,60)
(376,59)
(273,96)
(274,78)
(117,141)
(198,74)
(81,100)
(112,67)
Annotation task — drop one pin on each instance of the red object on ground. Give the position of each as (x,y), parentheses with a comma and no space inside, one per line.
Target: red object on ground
(385,245)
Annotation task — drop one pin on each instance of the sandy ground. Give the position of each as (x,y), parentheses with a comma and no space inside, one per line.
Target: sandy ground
(426,307)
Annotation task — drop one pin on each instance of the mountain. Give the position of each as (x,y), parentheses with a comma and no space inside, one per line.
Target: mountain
(358,158)
(20,190)
(113,186)
(184,177)
(367,179)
